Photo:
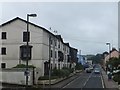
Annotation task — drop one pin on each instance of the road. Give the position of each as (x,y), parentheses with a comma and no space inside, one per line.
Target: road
(81,81)
(87,80)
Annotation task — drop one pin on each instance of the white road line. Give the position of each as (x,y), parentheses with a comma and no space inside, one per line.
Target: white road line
(102,81)
(72,81)
(87,79)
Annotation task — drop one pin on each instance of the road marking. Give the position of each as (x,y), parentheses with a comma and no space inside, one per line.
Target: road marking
(87,80)
(72,81)
(102,80)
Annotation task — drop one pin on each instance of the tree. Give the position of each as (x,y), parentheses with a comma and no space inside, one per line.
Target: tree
(97,58)
(114,62)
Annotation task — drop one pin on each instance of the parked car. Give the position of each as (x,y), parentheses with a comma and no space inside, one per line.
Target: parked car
(91,67)
(88,70)
(97,70)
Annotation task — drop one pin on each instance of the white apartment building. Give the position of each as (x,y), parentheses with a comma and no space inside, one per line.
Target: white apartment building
(44,46)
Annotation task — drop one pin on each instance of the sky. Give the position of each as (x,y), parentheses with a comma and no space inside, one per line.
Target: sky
(87,26)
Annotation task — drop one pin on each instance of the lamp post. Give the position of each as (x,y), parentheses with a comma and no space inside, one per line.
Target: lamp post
(49,61)
(27,46)
(109,49)
(109,66)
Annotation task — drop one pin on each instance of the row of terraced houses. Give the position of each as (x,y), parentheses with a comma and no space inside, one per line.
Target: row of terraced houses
(43,46)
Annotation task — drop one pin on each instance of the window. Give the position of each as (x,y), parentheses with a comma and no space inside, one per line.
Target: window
(55,54)
(3,65)
(67,50)
(63,47)
(51,53)
(3,51)
(55,42)
(59,45)
(4,35)
(51,42)
(23,52)
(26,37)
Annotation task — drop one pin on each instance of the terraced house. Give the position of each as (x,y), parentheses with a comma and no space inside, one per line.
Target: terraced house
(43,46)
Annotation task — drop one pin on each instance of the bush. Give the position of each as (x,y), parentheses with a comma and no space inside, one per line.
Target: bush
(64,72)
(47,77)
(71,70)
(78,66)
(58,73)
(24,66)
(116,78)
(55,72)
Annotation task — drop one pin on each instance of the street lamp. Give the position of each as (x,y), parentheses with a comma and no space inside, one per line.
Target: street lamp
(109,49)
(27,46)
(109,66)
(49,61)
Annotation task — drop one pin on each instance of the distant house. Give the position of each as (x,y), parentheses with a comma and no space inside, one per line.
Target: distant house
(113,53)
(73,57)
(81,59)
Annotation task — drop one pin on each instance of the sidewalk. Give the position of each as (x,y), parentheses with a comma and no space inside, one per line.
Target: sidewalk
(109,83)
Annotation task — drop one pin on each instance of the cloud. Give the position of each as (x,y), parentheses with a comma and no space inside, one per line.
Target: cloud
(85,25)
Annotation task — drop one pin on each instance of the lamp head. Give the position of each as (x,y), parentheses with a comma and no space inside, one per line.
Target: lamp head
(107,43)
(32,15)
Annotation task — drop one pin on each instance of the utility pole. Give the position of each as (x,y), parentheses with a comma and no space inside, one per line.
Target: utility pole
(27,47)
(109,66)
(80,55)
(49,61)
(109,49)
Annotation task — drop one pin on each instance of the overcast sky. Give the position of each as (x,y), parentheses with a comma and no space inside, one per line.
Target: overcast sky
(87,26)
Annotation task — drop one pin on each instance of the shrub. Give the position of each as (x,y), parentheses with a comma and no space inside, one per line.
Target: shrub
(47,77)
(64,72)
(55,72)
(78,66)
(23,66)
(116,78)
(71,70)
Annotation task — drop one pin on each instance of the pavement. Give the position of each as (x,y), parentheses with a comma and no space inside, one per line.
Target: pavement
(108,83)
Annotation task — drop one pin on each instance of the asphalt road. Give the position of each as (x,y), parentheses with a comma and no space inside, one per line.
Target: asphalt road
(81,81)
(87,80)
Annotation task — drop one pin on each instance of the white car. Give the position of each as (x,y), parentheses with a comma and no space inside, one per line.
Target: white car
(88,70)
(97,71)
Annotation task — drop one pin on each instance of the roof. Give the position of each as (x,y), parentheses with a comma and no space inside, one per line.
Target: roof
(113,49)
(17,18)
(59,37)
